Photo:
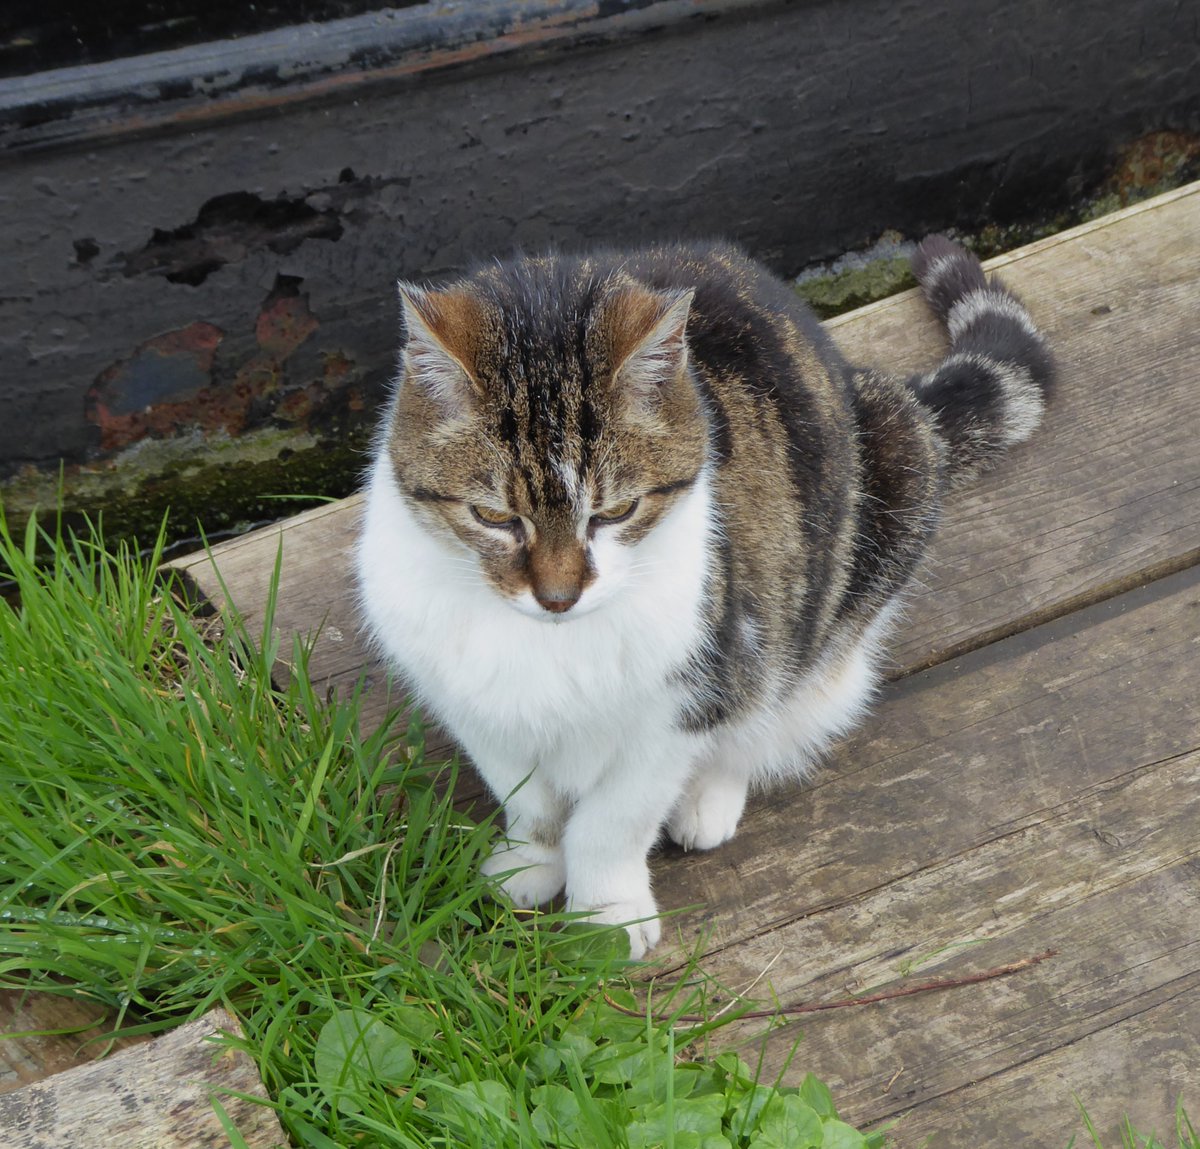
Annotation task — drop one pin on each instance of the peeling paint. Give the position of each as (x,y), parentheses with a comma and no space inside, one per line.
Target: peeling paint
(143,394)
(284,322)
(226,229)
(169,387)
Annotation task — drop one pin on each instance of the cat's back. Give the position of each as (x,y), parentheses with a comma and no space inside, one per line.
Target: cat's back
(786,468)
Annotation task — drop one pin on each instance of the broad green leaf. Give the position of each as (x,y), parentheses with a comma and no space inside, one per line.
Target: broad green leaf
(543,1063)
(574,1044)
(623,1063)
(701,1116)
(791,1121)
(817,1094)
(735,1067)
(416,1025)
(607,1024)
(751,1104)
(689,1139)
(839,1135)
(492,1095)
(687,1078)
(555,1114)
(356,1050)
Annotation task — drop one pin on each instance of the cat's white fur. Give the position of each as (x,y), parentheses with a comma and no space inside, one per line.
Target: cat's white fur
(573,719)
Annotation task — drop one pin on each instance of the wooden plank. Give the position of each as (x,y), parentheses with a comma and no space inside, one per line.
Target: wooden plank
(1141,1069)
(154,1096)
(1122,920)
(1041,793)
(955,757)
(44,1033)
(1104,497)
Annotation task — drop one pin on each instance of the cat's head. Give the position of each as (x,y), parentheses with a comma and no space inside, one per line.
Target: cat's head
(546,421)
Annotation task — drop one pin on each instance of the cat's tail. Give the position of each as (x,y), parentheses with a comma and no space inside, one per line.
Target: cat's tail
(991,390)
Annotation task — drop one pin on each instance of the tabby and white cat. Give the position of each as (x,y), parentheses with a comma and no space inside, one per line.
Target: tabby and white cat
(635,532)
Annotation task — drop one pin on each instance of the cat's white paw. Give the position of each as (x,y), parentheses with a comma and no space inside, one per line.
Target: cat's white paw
(541,872)
(644,934)
(708,814)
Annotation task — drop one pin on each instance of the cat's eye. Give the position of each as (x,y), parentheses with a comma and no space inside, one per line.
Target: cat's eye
(491,518)
(617,513)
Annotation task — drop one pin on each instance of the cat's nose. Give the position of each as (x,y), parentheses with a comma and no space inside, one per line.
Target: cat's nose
(558,600)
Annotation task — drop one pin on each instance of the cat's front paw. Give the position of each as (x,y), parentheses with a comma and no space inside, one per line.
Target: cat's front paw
(708,814)
(639,916)
(540,873)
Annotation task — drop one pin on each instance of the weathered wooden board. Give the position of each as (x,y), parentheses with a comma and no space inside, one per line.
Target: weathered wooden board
(156,1095)
(954,757)
(1109,491)
(1107,494)
(43,1033)
(1140,1069)
(1042,793)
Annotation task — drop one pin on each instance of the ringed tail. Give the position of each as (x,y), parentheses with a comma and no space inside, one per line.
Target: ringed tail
(991,389)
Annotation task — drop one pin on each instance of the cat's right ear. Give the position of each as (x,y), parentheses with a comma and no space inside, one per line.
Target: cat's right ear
(441,333)
(647,341)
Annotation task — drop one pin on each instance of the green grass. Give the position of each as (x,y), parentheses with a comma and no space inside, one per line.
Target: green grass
(1185,1133)
(176,832)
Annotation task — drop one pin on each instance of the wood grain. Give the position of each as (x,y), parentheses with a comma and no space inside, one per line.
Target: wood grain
(153,1096)
(1041,793)
(1140,1068)
(955,757)
(1109,489)
(43,1033)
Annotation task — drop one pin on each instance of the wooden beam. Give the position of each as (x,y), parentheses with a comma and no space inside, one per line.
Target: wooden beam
(45,1033)
(158,1095)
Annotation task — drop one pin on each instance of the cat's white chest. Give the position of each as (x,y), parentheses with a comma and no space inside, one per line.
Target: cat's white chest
(490,672)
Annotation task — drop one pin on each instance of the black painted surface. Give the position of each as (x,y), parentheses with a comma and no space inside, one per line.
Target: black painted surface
(146,236)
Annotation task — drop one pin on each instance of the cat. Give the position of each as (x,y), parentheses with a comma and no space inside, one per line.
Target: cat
(635,533)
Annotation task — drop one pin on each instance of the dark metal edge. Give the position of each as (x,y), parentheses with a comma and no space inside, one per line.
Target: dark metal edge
(339,60)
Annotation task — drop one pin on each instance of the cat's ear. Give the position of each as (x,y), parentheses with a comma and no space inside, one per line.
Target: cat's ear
(647,341)
(441,336)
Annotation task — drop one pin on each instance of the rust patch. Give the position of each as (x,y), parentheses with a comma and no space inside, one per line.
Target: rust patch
(283,324)
(336,387)
(143,394)
(174,382)
(1152,162)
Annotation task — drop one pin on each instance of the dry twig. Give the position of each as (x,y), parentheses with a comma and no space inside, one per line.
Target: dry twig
(930,986)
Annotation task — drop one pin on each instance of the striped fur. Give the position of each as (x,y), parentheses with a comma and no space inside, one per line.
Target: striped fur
(636,533)
(990,391)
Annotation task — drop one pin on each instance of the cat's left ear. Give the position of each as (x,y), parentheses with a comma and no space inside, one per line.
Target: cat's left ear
(647,340)
(441,331)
